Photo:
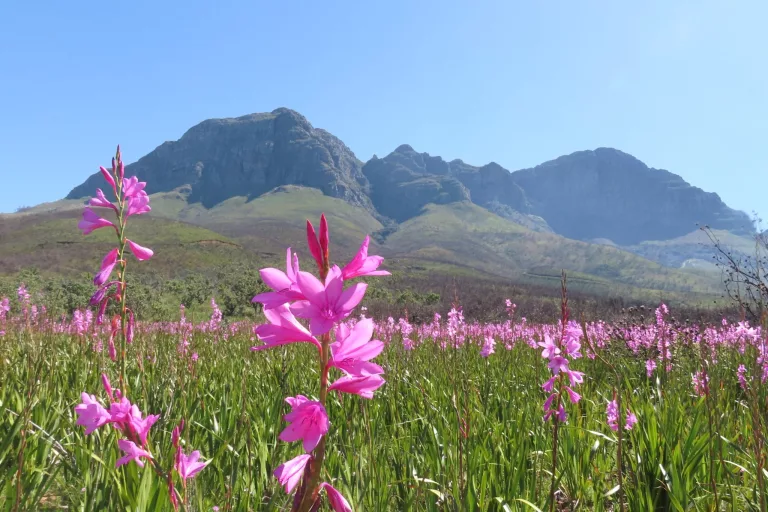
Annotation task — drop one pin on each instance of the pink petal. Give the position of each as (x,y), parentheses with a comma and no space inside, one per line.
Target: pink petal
(141,253)
(350,298)
(275,279)
(338,502)
(311,288)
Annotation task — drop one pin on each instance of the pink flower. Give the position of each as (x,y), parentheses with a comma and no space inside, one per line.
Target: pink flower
(284,286)
(612,413)
(362,264)
(741,374)
(92,222)
(574,396)
(108,177)
(289,473)
(326,303)
(549,385)
(337,501)
(108,387)
(188,466)
(137,205)
(91,414)
(141,253)
(107,265)
(353,349)
(631,420)
(101,201)
(558,364)
(549,346)
(120,412)
(132,186)
(650,365)
(488,346)
(308,421)
(282,329)
(129,328)
(362,385)
(132,452)
(139,425)
(574,376)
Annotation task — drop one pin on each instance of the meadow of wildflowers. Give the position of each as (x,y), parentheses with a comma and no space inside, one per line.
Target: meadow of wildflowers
(319,407)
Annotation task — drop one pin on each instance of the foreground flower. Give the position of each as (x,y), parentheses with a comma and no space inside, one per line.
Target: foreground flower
(107,265)
(289,473)
(338,502)
(363,265)
(132,453)
(188,466)
(361,385)
(308,421)
(326,303)
(282,329)
(283,284)
(354,349)
(141,253)
(91,414)
(91,222)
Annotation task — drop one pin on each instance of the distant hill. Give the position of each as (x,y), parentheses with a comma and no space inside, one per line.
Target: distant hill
(242,187)
(606,193)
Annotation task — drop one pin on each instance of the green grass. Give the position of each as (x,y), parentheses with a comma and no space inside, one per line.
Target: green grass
(449,431)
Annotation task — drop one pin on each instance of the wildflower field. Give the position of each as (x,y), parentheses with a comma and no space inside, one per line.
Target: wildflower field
(318,407)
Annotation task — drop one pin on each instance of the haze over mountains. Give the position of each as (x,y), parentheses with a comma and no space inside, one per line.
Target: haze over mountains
(249,181)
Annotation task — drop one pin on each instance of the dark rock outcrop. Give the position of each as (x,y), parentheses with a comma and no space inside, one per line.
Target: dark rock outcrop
(609,194)
(248,156)
(405,181)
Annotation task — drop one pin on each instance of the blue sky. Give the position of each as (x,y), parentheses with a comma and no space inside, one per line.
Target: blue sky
(682,85)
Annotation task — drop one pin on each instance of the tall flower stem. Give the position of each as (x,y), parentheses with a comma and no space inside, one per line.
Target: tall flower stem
(309,491)
(121,219)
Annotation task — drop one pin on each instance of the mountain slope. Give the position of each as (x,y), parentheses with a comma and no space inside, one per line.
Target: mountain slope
(465,234)
(51,242)
(609,194)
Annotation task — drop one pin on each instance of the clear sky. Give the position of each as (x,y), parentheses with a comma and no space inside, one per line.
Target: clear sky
(682,85)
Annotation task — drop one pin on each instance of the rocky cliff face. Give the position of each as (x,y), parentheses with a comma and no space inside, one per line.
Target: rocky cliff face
(609,194)
(405,181)
(249,155)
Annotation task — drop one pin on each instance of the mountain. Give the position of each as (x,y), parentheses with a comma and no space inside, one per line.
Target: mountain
(248,183)
(248,156)
(609,194)
(418,179)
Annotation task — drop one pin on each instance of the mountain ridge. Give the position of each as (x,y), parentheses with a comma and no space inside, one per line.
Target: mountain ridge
(592,194)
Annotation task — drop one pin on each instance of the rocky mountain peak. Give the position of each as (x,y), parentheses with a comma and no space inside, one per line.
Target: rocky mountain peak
(250,155)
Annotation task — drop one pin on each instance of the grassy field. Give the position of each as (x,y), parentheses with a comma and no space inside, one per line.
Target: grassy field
(450,430)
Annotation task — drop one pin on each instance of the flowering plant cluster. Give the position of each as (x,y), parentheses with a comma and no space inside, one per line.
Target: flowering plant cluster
(612,412)
(133,427)
(124,416)
(130,199)
(325,303)
(557,351)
